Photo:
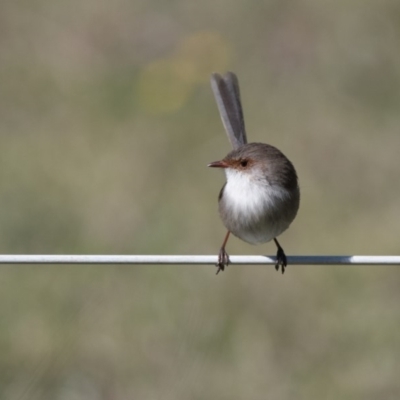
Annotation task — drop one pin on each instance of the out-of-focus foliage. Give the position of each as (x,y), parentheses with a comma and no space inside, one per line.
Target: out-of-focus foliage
(107,123)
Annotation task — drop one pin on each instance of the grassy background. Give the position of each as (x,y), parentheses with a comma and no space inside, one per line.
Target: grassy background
(107,123)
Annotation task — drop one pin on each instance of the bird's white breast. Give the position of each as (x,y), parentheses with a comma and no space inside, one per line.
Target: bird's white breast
(253,209)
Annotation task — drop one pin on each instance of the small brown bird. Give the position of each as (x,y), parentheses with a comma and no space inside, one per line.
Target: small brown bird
(261,196)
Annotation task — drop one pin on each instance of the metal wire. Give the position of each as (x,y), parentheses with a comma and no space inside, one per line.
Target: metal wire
(195,260)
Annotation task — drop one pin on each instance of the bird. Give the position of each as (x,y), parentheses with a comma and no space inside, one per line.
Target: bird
(261,195)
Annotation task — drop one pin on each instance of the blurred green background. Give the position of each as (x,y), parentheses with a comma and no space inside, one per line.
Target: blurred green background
(107,123)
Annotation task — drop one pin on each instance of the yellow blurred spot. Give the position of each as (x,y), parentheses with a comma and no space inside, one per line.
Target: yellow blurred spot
(201,54)
(165,85)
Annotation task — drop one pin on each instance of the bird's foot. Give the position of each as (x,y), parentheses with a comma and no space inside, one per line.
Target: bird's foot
(280,260)
(223,260)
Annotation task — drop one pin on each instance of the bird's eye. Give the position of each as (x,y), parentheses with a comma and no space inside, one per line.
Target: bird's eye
(243,163)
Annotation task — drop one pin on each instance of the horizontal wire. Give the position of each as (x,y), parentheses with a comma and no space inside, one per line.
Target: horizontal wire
(181,259)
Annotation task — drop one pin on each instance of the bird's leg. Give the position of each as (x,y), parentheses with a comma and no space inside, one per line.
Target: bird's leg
(280,257)
(223,257)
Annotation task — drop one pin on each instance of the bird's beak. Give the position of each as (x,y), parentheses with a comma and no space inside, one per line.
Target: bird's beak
(218,164)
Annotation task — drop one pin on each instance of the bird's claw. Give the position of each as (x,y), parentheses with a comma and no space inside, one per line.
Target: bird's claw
(280,260)
(223,260)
